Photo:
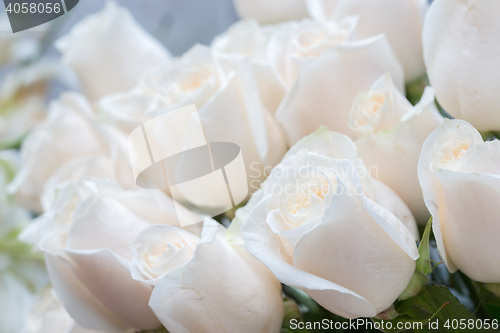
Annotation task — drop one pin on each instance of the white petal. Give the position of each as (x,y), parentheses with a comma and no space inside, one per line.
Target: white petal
(461,55)
(326,88)
(105,277)
(355,246)
(96,49)
(268,248)
(249,300)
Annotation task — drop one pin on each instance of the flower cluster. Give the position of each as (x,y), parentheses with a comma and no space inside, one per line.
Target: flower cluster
(347,156)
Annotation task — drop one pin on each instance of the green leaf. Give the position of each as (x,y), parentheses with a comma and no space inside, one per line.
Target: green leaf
(292,312)
(434,307)
(490,136)
(424,261)
(415,89)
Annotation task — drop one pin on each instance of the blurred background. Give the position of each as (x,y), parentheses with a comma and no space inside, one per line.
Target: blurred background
(176,24)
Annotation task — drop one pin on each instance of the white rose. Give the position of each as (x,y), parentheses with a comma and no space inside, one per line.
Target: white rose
(390,134)
(339,146)
(461,55)
(204,284)
(225,94)
(327,86)
(109,51)
(315,228)
(460,179)
(160,249)
(72,141)
(86,237)
(23,101)
(399,20)
(246,38)
(294,44)
(267,12)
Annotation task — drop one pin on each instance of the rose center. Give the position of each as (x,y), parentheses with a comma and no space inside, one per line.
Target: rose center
(455,153)
(309,194)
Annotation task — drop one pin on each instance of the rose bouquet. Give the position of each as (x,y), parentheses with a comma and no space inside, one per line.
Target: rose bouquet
(322,165)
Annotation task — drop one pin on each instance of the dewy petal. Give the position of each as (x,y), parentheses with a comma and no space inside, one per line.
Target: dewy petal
(248,301)
(268,248)
(327,86)
(460,39)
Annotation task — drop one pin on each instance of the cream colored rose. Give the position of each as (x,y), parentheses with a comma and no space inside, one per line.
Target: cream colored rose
(460,179)
(160,249)
(109,51)
(224,91)
(327,86)
(250,40)
(400,20)
(294,44)
(339,146)
(69,144)
(204,284)
(314,226)
(390,133)
(86,237)
(461,55)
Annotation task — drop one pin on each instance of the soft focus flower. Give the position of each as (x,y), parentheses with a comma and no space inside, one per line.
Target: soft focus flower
(339,146)
(49,315)
(461,55)
(399,20)
(267,12)
(315,227)
(460,179)
(86,237)
(22,273)
(390,134)
(205,284)
(22,98)
(225,94)
(160,249)
(69,144)
(16,48)
(109,51)
(294,44)
(327,86)
(250,40)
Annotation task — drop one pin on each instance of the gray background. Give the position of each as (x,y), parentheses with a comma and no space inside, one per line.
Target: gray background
(178,24)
